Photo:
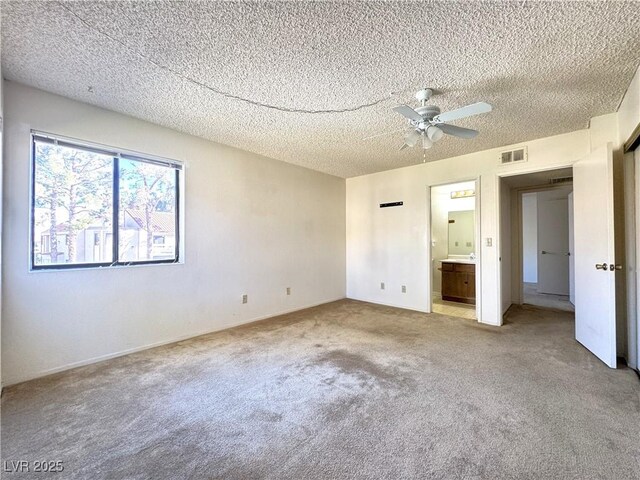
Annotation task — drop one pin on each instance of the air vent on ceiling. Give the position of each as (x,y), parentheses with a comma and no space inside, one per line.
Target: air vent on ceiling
(513,156)
(558,180)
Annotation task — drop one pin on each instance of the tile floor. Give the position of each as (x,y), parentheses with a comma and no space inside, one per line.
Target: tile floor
(453,309)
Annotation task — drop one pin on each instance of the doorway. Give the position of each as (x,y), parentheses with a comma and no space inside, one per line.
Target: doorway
(454,249)
(598,265)
(536,240)
(546,233)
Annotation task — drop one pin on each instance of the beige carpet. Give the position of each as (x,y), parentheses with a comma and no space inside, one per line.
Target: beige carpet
(347,390)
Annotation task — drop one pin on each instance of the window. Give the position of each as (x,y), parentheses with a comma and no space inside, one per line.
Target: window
(94,207)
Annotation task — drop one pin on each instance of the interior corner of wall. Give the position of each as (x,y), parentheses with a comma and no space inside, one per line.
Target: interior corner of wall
(604,129)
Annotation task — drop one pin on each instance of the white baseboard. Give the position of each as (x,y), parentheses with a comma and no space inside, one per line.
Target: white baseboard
(101,358)
(404,307)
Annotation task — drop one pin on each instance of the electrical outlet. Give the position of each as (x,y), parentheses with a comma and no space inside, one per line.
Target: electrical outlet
(245,298)
(288,290)
(489,242)
(381,285)
(404,289)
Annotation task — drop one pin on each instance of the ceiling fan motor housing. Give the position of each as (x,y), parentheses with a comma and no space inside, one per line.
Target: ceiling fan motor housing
(428,111)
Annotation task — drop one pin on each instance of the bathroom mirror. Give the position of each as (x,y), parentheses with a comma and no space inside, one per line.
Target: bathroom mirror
(461,232)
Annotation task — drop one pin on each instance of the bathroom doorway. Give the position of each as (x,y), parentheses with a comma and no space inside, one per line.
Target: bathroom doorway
(454,249)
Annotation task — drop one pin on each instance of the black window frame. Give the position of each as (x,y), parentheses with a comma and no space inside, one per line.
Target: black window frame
(116,154)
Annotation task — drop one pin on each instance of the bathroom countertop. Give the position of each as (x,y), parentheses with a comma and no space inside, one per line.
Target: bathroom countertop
(459,260)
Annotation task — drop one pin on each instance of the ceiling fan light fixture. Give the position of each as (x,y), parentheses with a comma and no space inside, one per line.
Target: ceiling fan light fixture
(412,138)
(426,142)
(434,133)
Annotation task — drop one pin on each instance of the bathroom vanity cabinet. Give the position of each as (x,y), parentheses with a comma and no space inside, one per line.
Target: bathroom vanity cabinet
(459,282)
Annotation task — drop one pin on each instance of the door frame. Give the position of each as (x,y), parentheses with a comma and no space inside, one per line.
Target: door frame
(499,178)
(631,169)
(518,269)
(631,166)
(477,239)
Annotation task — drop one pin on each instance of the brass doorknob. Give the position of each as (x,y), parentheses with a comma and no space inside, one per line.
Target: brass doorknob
(601,266)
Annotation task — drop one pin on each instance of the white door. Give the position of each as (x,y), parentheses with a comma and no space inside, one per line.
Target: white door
(553,242)
(594,250)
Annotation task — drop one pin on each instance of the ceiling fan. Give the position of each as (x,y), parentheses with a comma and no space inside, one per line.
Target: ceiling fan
(426,123)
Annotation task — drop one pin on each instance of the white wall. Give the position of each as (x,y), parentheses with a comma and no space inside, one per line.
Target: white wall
(629,109)
(441,205)
(253,225)
(530,237)
(391,245)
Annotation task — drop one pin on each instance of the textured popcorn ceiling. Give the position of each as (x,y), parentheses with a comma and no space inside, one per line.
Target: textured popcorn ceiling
(545,67)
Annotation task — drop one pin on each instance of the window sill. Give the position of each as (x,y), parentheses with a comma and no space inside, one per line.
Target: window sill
(76,268)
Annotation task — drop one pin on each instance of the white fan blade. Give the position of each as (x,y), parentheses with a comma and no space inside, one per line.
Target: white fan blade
(412,138)
(385,133)
(408,112)
(468,111)
(457,131)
